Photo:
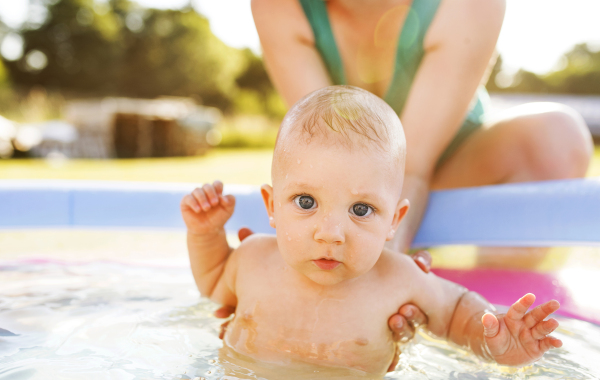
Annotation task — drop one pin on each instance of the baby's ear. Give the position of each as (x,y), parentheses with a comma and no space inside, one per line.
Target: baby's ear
(399,214)
(267,194)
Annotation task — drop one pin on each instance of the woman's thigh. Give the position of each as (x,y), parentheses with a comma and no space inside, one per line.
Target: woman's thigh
(532,142)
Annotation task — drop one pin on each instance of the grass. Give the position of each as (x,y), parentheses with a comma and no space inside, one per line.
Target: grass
(594,169)
(242,166)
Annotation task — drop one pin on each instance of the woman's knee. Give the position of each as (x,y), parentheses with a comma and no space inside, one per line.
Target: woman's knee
(557,144)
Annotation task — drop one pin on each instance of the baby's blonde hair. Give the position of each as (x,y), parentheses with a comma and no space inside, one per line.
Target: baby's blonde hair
(349,115)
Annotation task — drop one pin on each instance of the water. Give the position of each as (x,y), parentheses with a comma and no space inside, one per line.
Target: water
(105,320)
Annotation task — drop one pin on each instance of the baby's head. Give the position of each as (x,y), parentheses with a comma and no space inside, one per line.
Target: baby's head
(337,175)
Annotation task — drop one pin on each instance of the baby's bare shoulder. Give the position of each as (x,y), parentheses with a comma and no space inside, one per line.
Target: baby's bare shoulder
(256,246)
(397,266)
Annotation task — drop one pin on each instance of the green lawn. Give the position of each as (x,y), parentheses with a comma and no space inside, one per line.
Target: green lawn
(594,170)
(241,166)
(228,165)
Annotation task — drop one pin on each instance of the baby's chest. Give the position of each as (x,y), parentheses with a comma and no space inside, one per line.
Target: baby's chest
(346,331)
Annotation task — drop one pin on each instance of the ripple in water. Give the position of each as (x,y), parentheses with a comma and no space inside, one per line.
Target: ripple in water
(114,321)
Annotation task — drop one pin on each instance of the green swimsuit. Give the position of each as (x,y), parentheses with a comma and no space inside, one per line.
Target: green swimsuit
(408,57)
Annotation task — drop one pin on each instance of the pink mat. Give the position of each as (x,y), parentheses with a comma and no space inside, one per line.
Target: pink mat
(504,287)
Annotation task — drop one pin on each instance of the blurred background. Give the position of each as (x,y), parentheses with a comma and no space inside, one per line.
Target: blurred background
(176,90)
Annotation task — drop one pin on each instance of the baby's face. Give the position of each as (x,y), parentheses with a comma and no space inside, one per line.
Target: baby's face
(334,208)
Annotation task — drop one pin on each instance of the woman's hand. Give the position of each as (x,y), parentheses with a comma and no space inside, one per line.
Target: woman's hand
(409,316)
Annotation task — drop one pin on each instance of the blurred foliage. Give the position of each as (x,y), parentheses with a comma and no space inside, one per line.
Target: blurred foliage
(578,72)
(248,131)
(33,106)
(90,48)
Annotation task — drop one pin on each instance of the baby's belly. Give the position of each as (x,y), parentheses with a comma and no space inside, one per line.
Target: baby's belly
(365,348)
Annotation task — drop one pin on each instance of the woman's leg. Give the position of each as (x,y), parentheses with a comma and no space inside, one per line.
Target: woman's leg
(532,142)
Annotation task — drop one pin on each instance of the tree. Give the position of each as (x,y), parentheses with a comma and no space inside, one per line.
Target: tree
(580,74)
(75,50)
(89,48)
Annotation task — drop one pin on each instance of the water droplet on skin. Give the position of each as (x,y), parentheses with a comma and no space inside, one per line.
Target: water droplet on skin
(299,161)
(286,176)
(311,166)
(315,226)
(279,204)
(289,238)
(354,192)
(325,218)
(329,214)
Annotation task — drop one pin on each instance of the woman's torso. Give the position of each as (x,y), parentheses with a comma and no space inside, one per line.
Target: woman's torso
(378,49)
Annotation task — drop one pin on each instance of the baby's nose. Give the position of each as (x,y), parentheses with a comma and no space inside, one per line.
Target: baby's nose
(330,230)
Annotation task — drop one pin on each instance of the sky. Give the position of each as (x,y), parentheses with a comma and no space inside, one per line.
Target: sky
(534,35)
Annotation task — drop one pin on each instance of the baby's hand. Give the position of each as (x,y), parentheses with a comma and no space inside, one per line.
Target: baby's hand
(519,337)
(206,210)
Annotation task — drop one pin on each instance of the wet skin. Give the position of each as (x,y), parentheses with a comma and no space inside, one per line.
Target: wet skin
(342,326)
(323,290)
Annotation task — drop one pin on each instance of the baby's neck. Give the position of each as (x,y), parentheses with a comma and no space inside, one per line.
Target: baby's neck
(326,290)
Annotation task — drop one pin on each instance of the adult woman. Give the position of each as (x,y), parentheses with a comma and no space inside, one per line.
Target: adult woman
(427,59)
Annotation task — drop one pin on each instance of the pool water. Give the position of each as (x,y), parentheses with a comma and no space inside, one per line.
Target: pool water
(110,320)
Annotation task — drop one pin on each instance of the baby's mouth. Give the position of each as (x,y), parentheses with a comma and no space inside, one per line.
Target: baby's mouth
(326,264)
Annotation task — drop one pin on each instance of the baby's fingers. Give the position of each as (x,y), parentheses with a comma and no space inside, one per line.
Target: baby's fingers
(518,310)
(218,185)
(550,342)
(211,194)
(228,201)
(190,202)
(200,197)
(544,328)
(539,313)
(491,326)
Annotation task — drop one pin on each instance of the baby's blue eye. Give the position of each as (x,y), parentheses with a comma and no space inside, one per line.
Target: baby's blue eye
(305,202)
(361,209)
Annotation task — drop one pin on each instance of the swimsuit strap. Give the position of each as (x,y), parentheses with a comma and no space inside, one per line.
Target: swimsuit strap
(316,13)
(408,54)
(410,51)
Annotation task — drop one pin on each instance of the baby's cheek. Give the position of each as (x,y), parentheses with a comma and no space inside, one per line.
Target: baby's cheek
(292,249)
(365,253)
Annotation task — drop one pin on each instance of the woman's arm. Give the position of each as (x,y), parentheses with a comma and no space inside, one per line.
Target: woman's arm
(458,48)
(287,40)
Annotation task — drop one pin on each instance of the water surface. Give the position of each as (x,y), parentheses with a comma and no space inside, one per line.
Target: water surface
(107,320)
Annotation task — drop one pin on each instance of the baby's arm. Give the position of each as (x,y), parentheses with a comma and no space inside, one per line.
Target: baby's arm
(517,338)
(205,212)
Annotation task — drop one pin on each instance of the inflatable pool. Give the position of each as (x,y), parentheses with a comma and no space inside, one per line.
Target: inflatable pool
(99,319)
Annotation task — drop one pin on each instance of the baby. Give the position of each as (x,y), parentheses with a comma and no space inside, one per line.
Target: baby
(322,289)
